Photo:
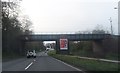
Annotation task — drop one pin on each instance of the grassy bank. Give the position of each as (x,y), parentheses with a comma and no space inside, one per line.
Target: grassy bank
(89,65)
(111,56)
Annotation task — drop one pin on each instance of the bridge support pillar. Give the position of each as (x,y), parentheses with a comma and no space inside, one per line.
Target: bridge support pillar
(98,48)
(22,50)
(57,47)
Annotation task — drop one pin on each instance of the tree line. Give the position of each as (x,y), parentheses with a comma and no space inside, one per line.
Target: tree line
(13,27)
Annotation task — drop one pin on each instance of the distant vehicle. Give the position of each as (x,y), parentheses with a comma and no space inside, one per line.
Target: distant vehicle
(31,54)
(49,49)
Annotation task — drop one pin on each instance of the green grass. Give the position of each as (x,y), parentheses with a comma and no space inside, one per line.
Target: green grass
(82,53)
(89,65)
(112,56)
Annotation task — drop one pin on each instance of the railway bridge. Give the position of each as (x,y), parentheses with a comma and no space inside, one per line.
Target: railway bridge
(96,38)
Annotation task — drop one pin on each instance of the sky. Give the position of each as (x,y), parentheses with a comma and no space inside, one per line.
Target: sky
(67,16)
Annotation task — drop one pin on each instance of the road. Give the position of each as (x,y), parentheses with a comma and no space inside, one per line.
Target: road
(42,62)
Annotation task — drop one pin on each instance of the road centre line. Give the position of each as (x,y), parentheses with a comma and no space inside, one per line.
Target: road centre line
(28,65)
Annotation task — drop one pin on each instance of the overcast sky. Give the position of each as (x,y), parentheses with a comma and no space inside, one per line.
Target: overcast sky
(70,15)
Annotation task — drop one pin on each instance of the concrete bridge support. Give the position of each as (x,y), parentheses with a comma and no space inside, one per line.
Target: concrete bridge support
(22,50)
(98,48)
(57,47)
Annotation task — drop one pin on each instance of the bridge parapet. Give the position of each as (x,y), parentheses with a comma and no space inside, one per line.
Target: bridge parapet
(72,37)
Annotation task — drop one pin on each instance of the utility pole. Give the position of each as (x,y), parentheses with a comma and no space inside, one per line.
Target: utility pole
(118,8)
(111,25)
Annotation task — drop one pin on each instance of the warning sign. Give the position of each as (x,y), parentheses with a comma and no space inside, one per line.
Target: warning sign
(63,44)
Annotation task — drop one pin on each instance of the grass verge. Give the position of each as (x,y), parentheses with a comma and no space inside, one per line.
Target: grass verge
(110,56)
(89,65)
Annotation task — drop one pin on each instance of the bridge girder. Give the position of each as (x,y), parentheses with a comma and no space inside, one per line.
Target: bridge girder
(71,37)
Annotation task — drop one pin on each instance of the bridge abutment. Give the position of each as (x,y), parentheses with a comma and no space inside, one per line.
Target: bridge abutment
(22,48)
(98,48)
(57,47)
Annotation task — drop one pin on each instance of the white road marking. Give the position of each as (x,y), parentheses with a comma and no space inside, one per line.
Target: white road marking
(67,64)
(28,65)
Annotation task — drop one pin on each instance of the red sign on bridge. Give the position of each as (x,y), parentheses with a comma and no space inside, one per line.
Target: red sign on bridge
(63,44)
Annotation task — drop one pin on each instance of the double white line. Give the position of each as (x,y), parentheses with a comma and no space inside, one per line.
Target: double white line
(29,65)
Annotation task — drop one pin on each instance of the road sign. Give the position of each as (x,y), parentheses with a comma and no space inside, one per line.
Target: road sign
(63,44)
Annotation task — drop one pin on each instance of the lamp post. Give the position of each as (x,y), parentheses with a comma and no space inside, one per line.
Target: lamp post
(111,25)
(118,8)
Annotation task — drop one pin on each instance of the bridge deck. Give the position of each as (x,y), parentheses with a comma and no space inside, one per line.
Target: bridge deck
(72,37)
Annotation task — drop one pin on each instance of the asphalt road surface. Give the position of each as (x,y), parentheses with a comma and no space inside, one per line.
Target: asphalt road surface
(42,62)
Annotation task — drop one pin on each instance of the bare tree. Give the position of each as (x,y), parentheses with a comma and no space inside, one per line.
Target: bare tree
(99,30)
